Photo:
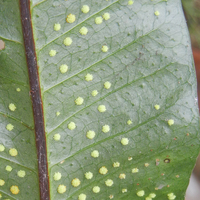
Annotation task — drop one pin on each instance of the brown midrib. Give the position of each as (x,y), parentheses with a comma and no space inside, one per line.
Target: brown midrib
(36,99)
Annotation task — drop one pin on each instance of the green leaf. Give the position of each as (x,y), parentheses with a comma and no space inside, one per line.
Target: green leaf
(137,135)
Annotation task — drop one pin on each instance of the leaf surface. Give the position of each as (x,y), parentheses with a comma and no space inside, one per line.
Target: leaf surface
(148,62)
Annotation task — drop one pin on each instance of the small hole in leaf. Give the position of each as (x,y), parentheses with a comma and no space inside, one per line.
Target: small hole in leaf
(167,160)
(2,45)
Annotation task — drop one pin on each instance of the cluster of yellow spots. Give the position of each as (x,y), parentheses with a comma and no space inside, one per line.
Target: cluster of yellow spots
(63,68)
(102,108)
(106,16)
(71,126)
(57,137)
(95,154)
(2,147)
(151,196)
(79,101)
(90,134)
(124,141)
(61,189)
(9,127)
(76,182)
(171,196)
(99,20)
(135,170)
(14,189)
(57,176)
(88,175)
(21,173)
(13,152)
(103,170)
(12,107)
(106,128)
(96,189)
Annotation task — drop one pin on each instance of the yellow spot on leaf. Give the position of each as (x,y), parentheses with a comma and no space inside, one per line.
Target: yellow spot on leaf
(13,152)
(2,147)
(70,18)
(82,197)
(102,108)
(111,196)
(157,13)
(57,113)
(122,176)
(152,195)
(148,198)
(76,182)
(12,107)
(9,127)
(106,16)
(83,31)
(95,154)
(52,53)
(8,168)
(146,164)
(135,170)
(90,134)
(18,89)
(71,126)
(21,173)
(96,189)
(61,189)
(98,20)
(56,137)
(116,164)
(130,2)
(104,48)
(57,27)
(124,141)
(94,93)
(63,69)
(79,101)
(57,176)
(107,85)
(14,189)
(2,182)
(109,182)
(124,190)
(140,193)
(89,77)
(171,196)
(106,128)
(130,158)
(129,122)
(88,175)
(103,170)
(170,122)
(67,41)
(157,107)
(85,9)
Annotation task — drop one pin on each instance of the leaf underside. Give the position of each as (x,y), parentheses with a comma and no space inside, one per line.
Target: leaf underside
(148,63)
